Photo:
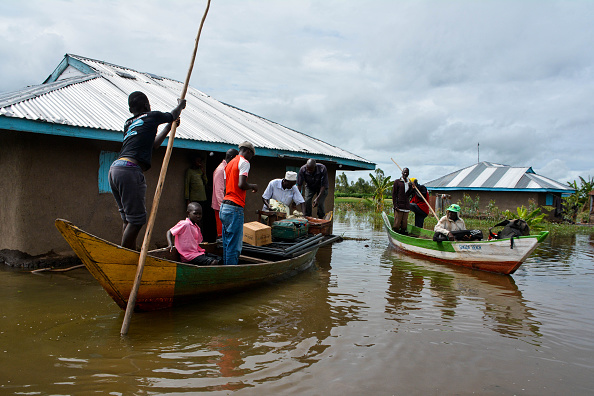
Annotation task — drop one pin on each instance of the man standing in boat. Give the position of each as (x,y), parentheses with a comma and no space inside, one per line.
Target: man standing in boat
(126,174)
(401,192)
(314,177)
(195,181)
(231,212)
(218,187)
(418,205)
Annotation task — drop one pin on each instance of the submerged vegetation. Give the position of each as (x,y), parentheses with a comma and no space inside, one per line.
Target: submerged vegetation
(370,199)
(365,208)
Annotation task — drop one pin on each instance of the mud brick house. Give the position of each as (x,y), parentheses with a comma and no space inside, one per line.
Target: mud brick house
(58,139)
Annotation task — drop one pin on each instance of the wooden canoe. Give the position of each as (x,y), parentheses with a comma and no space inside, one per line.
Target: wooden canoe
(502,256)
(165,282)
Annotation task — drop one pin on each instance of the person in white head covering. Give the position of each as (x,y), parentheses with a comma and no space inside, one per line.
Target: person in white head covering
(284,191)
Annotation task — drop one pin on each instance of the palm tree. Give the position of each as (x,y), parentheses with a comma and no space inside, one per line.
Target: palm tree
(381,184)
(583,190)
(578,201)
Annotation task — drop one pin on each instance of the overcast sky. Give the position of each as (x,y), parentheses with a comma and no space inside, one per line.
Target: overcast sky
(422,82)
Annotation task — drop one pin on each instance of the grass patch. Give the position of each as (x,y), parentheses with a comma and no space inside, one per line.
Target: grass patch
(340,200)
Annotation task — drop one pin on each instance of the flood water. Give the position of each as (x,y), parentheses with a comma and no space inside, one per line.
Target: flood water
(365,320)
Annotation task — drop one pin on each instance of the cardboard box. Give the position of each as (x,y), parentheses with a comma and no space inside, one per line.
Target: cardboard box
(257,234)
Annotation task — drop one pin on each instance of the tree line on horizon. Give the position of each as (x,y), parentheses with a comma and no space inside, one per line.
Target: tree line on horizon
(361,188)
(575,206)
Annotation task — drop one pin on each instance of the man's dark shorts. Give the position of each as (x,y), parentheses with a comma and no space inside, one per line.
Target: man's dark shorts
(129,189)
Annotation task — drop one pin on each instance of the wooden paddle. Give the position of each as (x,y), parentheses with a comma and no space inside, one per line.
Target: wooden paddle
(415,187)
(149,227)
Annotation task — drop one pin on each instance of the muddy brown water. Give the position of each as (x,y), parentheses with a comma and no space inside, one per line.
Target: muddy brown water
(365,320)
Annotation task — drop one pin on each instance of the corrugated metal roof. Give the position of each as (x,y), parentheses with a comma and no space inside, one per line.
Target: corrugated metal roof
(496,177)
(87,93)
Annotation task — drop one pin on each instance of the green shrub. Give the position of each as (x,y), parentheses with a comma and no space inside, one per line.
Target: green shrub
(470,207)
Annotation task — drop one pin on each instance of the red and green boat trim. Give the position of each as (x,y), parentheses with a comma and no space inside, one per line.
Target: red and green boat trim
(166,282)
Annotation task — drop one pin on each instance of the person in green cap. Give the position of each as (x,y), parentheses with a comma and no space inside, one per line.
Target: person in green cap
(450,222)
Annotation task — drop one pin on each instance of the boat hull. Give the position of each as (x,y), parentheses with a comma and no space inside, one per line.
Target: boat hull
(166,283)
(502,256)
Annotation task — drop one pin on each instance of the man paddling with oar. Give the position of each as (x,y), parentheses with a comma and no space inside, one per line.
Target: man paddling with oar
(415,187)
(126,174)
(151,221)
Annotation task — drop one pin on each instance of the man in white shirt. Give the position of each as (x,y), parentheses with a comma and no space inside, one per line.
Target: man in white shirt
(284,191)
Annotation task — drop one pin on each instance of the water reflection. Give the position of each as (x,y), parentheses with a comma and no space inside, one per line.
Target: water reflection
(416,284)
(225,344)
(357,219)
(342,307)
(583,247)
(258,336)
(560,255)
(261,336)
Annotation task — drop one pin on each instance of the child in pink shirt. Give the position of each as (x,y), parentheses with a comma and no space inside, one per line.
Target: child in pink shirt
(188,238)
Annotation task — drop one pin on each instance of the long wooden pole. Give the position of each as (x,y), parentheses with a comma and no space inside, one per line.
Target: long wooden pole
(415,187)
(149,227)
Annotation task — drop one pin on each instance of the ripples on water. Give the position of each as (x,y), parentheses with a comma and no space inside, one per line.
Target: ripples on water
(367,319)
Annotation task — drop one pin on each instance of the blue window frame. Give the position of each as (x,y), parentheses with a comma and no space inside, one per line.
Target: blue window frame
(105,160)
(549,200)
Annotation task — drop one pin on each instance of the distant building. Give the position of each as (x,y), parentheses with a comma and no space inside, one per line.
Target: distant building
(58,139)
(510,187)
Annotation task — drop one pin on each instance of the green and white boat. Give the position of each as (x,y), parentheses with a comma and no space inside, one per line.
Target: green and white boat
(502,256)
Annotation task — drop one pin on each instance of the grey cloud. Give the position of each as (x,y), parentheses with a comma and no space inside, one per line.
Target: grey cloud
(379,78)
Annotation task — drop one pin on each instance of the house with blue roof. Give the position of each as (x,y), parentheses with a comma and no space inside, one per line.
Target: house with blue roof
(58,139)
(508,186)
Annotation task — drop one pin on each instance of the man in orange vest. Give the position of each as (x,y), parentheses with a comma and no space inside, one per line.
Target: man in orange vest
(231,213)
